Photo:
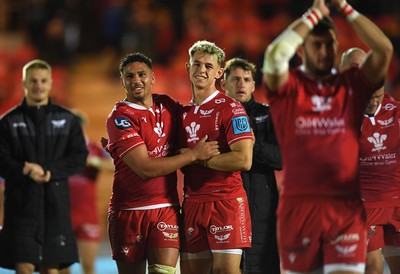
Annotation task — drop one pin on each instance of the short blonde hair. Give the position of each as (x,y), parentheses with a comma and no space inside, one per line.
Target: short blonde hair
(209,48)
(35,64)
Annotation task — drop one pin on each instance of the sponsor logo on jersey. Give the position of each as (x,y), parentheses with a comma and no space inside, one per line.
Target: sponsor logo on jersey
(220,101)
(377,140)
(386,122)
(122,123)
(389,106)
(192,131)
(160,151)
(240,125)
(58,123)
(320,103)
(206,112)
(239,111)
(379,157)
(319,125)
(216,121)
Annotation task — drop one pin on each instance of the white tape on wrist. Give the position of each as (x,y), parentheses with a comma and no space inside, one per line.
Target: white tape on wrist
(350,13)
(312,17)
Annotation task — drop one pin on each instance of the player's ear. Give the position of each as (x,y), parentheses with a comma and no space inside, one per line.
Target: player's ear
(187,67)
(300,52)
(219,73)
(223,84)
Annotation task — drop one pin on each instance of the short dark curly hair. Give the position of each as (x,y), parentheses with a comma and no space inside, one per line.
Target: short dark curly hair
(135,57)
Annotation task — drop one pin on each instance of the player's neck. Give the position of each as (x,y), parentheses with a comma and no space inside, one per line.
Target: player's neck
(201,94)
(147,103)
(318,76)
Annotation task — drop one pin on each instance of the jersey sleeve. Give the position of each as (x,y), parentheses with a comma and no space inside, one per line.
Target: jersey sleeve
(236,123)
(123,134)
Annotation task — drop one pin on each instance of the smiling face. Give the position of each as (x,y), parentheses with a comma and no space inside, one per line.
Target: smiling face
(203,70)
(137,79)
(37,85)
(239,84)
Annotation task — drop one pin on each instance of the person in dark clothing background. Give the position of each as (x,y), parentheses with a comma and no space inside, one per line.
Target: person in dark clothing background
(41,145)
(259,182)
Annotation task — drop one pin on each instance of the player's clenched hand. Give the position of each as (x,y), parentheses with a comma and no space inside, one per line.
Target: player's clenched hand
(322,6)
(205,150)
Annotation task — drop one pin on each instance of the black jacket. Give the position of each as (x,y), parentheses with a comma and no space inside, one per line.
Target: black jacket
(52,137)
(261,188)
(266,153)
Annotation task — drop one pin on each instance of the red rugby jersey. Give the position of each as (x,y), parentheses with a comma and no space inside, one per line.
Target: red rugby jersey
(82,187)
(380,153)
(130,125)
(224,120)
(317,125)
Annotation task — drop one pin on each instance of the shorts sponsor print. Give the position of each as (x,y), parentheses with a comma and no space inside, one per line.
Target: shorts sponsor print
(131,232)
(216,225)
(332,232)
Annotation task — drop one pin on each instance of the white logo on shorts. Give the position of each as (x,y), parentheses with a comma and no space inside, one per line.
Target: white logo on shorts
(346,250)
(292,257)
(222,237)
(125,250)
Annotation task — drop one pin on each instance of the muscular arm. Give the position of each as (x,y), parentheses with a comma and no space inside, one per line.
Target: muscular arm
(283,48)
(377,62)
(238,159)
(140,162)
(279,53)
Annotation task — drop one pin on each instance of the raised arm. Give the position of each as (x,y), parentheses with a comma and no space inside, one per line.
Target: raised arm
(283,48)
(378,59)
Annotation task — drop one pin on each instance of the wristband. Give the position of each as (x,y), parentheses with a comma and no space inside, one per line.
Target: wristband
(350,13)
(312,17)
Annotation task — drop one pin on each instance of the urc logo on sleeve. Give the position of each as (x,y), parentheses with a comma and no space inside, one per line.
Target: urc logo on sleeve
(240,125)
(122,122)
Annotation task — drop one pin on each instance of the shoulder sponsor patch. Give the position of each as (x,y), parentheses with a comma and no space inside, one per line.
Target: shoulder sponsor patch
(240,125)
(122,122)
